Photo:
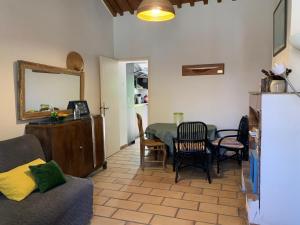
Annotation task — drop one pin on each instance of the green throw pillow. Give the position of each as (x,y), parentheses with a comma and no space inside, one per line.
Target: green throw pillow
(47,176)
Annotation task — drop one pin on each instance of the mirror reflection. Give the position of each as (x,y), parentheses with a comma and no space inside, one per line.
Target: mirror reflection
(44,91)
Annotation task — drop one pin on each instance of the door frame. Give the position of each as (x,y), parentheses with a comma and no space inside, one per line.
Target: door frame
(141,59)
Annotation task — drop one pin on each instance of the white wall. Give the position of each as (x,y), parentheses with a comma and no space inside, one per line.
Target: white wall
(238,33)
(44,32)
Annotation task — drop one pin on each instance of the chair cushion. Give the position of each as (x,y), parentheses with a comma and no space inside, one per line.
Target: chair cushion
(229,142)
(190,146)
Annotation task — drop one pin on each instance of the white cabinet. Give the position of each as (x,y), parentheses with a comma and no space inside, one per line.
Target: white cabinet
(279,153)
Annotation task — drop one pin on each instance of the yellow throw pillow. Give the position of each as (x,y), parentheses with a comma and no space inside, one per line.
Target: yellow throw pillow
(18,183)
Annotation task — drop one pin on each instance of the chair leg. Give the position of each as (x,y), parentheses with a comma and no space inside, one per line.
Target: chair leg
(218,160)
(208,168)
(174,161)
(142,157)
(164,158)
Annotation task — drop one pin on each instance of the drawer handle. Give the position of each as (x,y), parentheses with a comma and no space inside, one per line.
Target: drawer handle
(80,147)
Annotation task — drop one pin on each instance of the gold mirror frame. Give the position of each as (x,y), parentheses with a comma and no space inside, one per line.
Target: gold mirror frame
(22,65)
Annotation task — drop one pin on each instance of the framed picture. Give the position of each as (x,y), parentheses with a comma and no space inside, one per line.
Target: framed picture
(279,27)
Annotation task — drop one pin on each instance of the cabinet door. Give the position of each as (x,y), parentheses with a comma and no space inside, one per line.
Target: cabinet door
(85,154)
(64,141)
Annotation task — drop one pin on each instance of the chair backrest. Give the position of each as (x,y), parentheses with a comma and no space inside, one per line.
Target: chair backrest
(243,130)
(192,136)
(140,125)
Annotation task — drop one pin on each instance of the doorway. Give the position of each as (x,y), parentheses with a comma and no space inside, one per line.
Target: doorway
(124,92)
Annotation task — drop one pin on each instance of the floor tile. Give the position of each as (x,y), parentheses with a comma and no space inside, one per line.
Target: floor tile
(200,198)
(193,190)
(156,185)
(100,200)
(147,178)
(163,220)
(230,220)
(103,211)
(158,209)
(115,194)
(232,202)
(184,204)
(197,216)
(135,189)
(219,209)
(146,199)
(219,193)
(231,187)
(128,181)
(107,221)
(166,193)
(123,204)
(203,184)
(133,216)
(110,186)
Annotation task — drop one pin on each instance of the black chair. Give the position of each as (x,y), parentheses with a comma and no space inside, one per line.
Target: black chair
(235,143)
(190,147)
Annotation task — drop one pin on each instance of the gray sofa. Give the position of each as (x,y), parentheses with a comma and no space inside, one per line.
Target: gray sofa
(68,204)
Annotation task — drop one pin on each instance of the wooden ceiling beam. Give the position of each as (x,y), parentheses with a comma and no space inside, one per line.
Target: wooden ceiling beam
(116,6)
(131,9)
(110,7)
(120,6)
(178,3)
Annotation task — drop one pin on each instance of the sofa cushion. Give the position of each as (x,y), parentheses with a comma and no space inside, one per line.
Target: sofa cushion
(48,175)
(18,183)
(19,151)
(49,208)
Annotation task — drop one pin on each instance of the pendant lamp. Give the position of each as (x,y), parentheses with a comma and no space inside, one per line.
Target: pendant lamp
(155,10)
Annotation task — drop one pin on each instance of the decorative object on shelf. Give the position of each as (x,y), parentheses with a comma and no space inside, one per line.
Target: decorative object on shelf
(279,27)
(204,69)
(155,10)
(295,40)
(276,79)
(75,61)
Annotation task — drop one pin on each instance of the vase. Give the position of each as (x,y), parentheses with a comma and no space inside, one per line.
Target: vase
(278,86)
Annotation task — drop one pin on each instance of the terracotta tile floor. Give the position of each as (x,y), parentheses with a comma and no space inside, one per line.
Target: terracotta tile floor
(126,195)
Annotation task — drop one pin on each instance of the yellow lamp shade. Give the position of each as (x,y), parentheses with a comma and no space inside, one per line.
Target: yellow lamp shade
(155,10)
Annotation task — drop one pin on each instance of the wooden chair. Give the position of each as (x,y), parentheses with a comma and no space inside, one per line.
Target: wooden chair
(191,146)
(150,145)
(236,143)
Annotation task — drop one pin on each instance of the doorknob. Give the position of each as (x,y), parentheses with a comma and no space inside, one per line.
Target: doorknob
(103,108)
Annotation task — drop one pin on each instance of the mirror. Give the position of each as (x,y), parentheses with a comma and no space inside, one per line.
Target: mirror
(43,87)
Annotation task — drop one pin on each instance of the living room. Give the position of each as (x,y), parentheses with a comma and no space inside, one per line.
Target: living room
(237,34)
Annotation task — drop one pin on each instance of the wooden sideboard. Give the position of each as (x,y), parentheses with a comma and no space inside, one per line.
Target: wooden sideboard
(76,145)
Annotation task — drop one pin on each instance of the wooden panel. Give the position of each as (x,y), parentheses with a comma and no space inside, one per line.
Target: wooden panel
(85,148)
(99,138)
(121,6)
(204,69)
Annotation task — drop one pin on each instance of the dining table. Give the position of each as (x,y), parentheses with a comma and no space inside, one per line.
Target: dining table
(167,131)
